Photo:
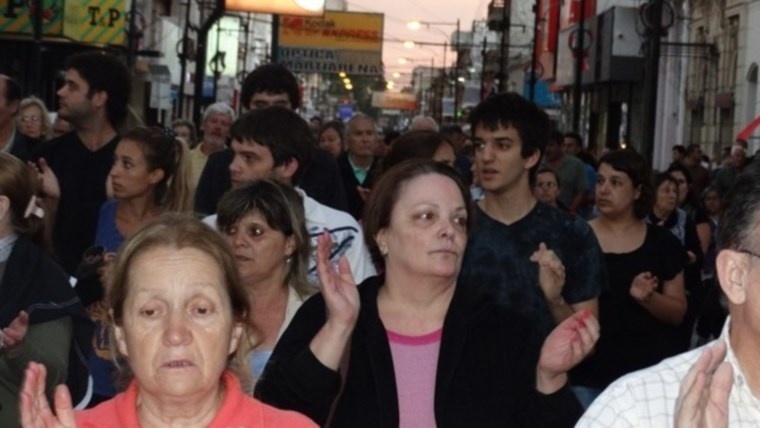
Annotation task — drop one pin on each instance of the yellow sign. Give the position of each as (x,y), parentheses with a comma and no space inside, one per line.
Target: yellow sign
(87,21)
(95,22)
(16,16)
(336,30)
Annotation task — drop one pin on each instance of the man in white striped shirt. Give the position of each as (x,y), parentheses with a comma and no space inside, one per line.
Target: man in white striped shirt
(722,387)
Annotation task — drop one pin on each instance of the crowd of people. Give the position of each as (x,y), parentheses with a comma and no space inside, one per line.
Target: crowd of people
(265,270)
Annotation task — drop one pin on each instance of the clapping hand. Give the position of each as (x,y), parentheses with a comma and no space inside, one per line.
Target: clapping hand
(703,399)
(47,179)
(643,285)
(35,410)
(12,337)
(551,272)
(337,285)
(566,346)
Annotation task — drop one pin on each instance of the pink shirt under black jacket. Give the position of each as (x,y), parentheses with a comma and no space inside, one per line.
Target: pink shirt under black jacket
(237,410)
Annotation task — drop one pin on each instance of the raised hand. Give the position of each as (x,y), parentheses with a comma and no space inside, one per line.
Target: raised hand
(342,304)
(566,346)
(337,285)
(643,285)
(35,410)
(551,272)
(48,181)
(703,399)
(13,335)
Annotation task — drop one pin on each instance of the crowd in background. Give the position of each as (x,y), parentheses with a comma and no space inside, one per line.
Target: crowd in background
(344,275)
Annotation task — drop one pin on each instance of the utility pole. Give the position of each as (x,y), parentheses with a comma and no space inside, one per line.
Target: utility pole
(36,84)
(534,57)
(183,62)
(654,32)
(504,47)
(275,38)
(132,40)
(577,87)
(484,54)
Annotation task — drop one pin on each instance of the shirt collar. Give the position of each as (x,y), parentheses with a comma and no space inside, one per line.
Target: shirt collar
(6,246)
(9,144)
(741,389)
(312,212)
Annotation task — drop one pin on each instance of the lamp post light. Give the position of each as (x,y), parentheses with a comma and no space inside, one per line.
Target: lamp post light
(416,25)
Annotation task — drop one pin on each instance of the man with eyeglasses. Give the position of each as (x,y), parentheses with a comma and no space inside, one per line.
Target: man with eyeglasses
(11,139)
(546,187)
(719,383)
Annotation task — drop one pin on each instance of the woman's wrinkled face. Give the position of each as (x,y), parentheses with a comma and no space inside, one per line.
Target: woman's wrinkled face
(261,252)
(177,329)
(30,121)
(428,228)
(667,197)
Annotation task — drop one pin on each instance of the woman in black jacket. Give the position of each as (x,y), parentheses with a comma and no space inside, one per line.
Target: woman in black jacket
(422,351)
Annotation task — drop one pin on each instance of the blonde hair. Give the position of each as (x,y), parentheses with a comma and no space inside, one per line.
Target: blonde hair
(46,126)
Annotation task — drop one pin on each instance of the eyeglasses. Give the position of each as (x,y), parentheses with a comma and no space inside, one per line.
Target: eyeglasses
(33,119)
(751,253)
(546,185)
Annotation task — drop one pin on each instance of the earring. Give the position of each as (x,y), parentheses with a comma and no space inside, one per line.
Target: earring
(384,252)
(288,259)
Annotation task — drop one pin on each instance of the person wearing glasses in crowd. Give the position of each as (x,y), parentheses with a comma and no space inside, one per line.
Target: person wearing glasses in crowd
(34,119)
(546,187)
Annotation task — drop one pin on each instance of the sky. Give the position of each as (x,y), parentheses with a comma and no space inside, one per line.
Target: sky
(399,12)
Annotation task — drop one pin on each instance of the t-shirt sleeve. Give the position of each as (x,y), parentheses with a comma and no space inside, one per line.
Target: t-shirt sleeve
(586,270)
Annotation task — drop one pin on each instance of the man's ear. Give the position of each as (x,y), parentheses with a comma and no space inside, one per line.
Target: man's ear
(286,171)
(99,98)
(533,159)
(733,274)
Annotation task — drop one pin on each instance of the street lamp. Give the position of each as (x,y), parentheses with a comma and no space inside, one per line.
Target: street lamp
(416,25)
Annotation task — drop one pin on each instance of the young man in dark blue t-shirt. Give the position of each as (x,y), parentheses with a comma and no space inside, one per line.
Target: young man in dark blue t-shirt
(514,233)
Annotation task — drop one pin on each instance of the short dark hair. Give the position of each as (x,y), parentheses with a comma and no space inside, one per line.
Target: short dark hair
(414,145)
(575,136)
(660,178)
(12,89)
(512,110)
(680,149)
(547,170)
(104,72)
(282,131)
(385,194)
(556,136)
(450,129)
(638,170)
(741,212)
(692,147)
(677,167)
(274,79)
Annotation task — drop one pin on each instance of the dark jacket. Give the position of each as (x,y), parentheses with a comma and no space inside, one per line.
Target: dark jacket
(34,283)
(23,147)
(485,376)
(350,183)
(321,181)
